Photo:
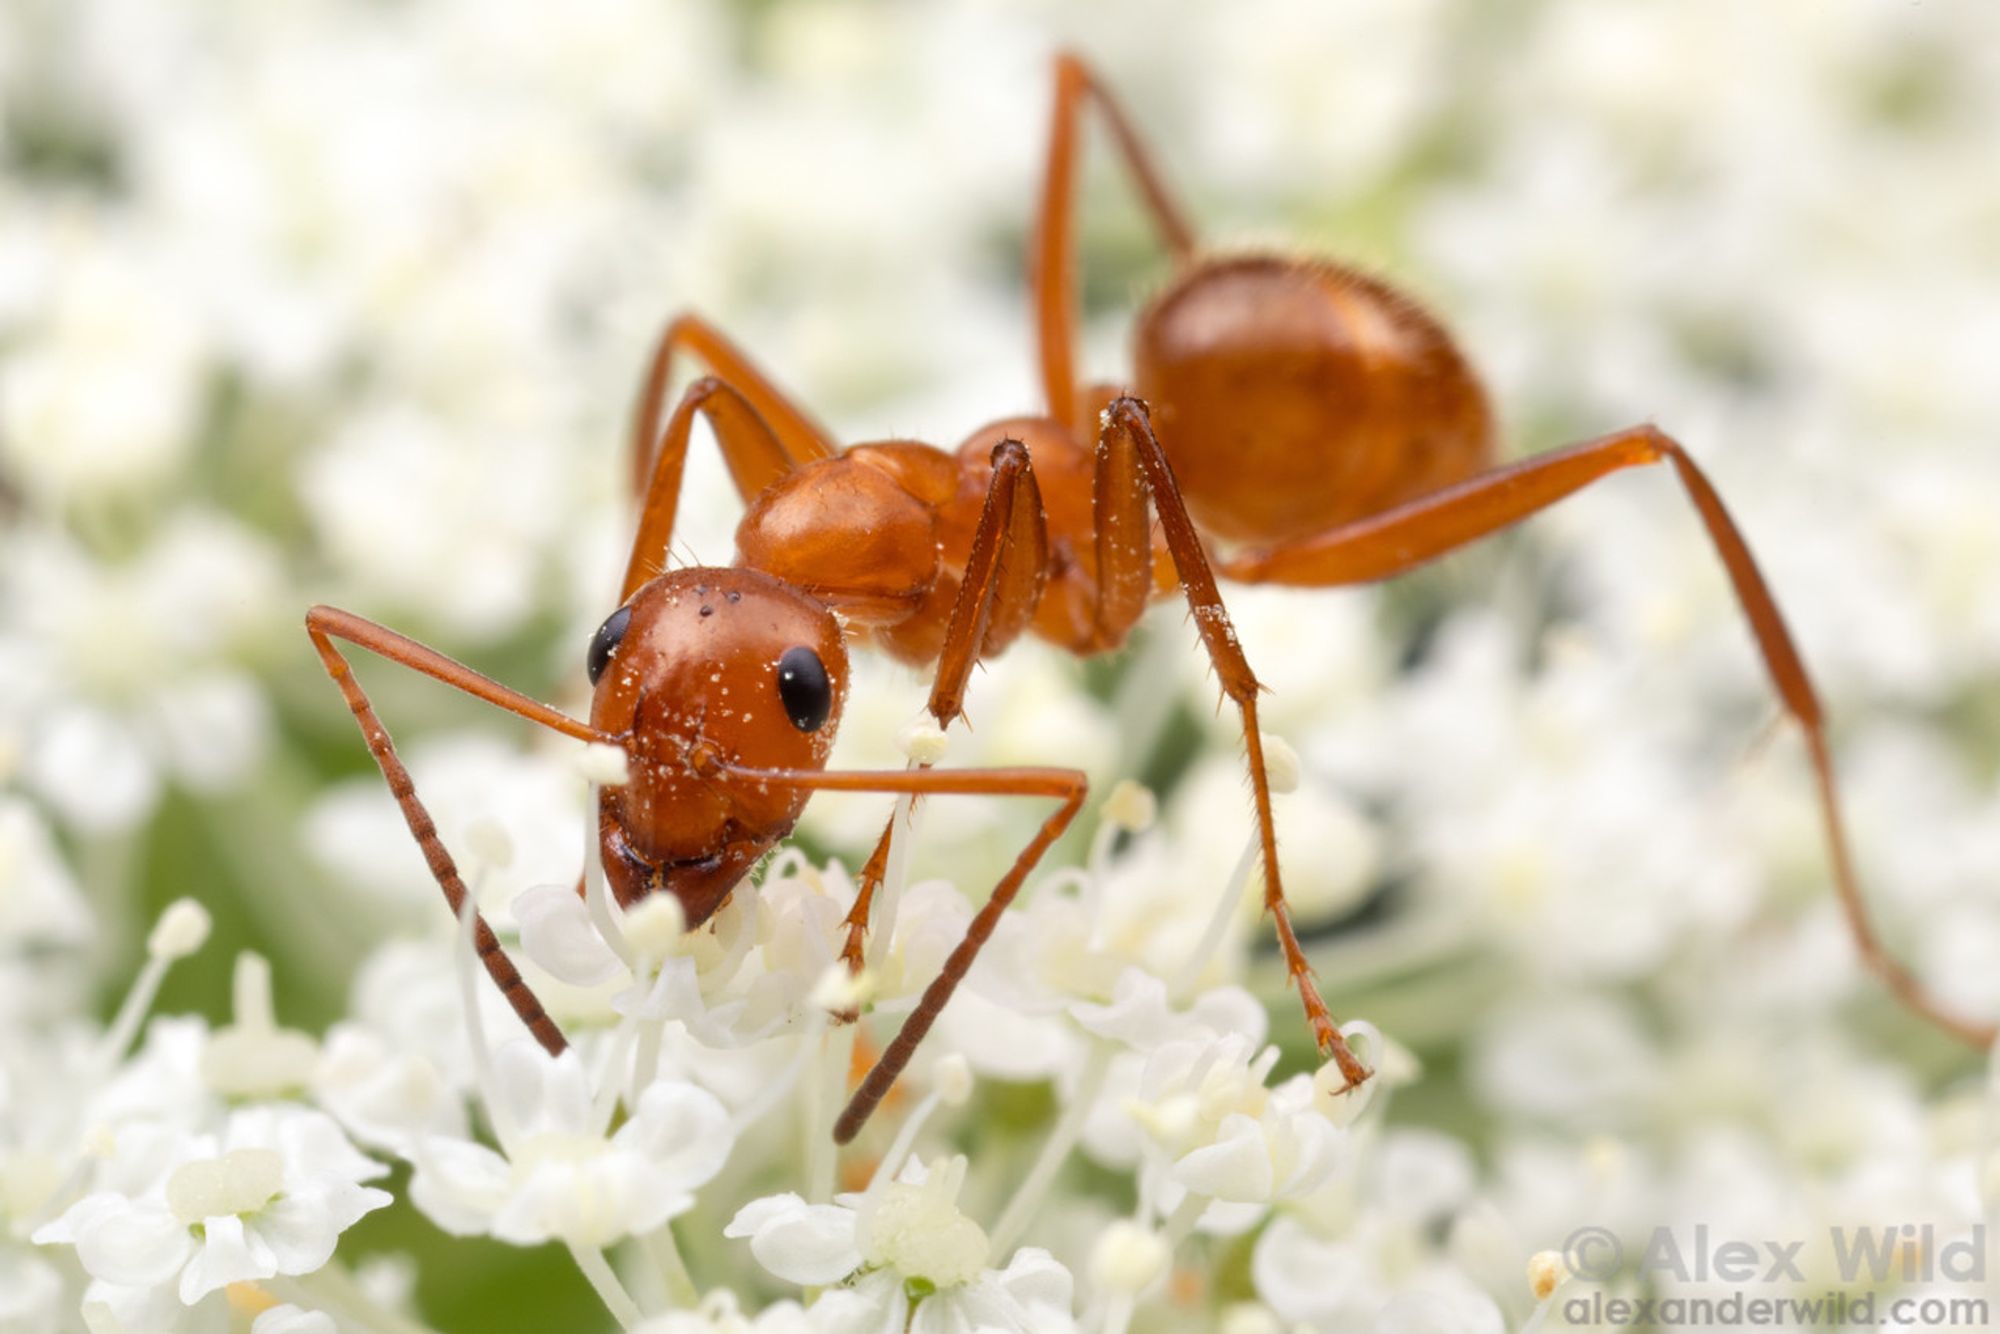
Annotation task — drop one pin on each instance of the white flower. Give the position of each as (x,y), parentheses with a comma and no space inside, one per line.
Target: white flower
(468,781)
(384,1097)
(436,519)
(1377,1277)
(270,1196)
(811,1245)
(743,975)
(719,1313)
(1221,1133)
(290,1319)
(1141,1016)
(39,900)
(1032,1295)
(902,1244)
(30,1290)
(100,730)
(561,1176)
(105,396)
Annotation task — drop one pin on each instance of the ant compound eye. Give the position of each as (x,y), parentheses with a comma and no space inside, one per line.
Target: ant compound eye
(605,642)
(803,686)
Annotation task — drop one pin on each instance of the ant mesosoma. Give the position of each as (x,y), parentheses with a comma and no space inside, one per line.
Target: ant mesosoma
(1313,419)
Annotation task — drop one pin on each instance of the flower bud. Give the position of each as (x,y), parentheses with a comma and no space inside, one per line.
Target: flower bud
(952,1077)
(923,741)
(488,840)
(181,930)
(655,925)
(1128,1258)
(1281,764)
(1249,1318)
(604,764)
(842,991)
(1132,807)
(1546,1272)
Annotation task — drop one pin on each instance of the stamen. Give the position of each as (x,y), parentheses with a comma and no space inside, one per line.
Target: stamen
(596,894)
(923,746)
(1056,1149)
(464,958)
(953,1087)
(1218,921)
(181,930)
(825,1083)
(253,1057)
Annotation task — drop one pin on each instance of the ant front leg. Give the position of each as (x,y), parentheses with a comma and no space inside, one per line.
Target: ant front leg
(1403,538)
(1052,256)
(755,453)
(801,438)
(997,596)
(1130,467)
(324,625)
(1068,785)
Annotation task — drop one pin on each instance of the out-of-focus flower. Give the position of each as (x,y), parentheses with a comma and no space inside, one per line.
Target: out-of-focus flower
(115,677)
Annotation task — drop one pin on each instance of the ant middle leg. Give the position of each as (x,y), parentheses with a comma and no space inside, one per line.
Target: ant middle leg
(997,596)
(1400,539)
(1131,468)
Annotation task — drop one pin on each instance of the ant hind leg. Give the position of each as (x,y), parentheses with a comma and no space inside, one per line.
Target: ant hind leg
(1388,544)
(1052,253)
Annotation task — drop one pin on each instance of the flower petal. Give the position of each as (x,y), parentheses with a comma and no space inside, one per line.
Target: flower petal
(1035,1278)
(808,1244)
(228,1255)
(292,1320)
(1237,1166)
(682,1131)
(557,933)
(875,1305)
(130,1243)
(459,1185)
(302,1226)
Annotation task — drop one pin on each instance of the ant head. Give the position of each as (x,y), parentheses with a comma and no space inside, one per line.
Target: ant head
(730,660)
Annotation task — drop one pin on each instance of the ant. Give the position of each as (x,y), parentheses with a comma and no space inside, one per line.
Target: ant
(1313,419)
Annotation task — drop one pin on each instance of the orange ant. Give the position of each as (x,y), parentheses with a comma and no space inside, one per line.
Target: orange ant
(1316,420)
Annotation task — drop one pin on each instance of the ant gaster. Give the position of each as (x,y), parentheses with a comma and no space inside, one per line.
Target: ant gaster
(1290,421)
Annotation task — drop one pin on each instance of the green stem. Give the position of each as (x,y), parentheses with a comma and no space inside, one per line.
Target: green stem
(598,1270)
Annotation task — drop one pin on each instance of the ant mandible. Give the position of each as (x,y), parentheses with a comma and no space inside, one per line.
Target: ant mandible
(1314,419)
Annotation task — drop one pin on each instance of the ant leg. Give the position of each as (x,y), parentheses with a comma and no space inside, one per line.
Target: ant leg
(997,596)
(856,921)
(1052,262)
(1003,578)
(1131,464)
(1068,784)
(754,453)
(325,624)
(1404,537)
(803,439)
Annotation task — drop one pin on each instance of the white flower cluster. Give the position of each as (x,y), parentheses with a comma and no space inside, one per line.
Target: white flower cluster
(344,301)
